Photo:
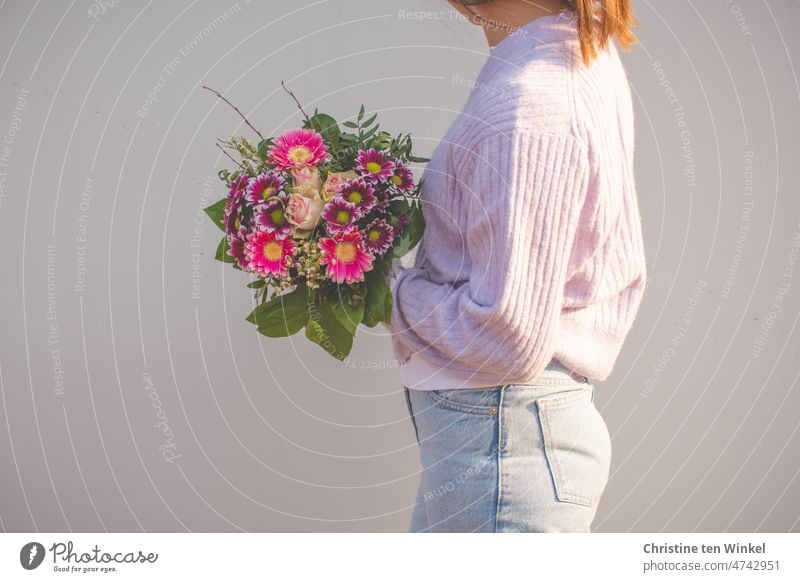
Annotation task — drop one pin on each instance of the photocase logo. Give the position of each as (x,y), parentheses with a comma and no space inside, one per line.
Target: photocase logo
(31,555)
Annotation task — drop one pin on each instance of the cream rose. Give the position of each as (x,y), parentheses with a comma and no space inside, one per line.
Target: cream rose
(335,181)
(306,190)
(306,176)
(303,212)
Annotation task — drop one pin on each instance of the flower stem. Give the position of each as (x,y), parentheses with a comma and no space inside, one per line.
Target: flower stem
(300,107)
(236,109)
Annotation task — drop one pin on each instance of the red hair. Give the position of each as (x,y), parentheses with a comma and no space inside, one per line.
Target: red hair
(598,20)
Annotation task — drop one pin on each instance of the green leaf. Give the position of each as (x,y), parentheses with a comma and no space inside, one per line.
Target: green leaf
(350,124)
(378,292)
(216,211)
(418,160)
(348,315)
(369,121)
(361,114)
(222,252)
(412,233)
(326,126)
(324,329)
(417,226)
(315,332)
(263,148)
(370,133)
(257,284)
(283,315)
(399,206)
(387,304)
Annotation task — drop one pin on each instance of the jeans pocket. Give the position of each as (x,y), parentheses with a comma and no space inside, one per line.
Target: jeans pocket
(469,400)
(577,444)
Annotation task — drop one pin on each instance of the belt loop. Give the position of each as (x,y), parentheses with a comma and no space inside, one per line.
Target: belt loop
(579,377)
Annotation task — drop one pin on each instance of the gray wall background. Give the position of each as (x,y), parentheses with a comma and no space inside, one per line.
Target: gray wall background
(101,250)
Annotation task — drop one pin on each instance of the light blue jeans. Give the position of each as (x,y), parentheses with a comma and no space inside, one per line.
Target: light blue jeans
(512,458)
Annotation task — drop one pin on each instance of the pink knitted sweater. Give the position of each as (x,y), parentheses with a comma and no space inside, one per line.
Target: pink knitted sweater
(533,245)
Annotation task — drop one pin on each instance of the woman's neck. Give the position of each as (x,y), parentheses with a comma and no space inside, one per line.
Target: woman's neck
(500,19)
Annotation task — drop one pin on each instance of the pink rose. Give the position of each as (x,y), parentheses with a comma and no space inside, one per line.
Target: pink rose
(306,190)
(303,212)
(306,176)
(334,182)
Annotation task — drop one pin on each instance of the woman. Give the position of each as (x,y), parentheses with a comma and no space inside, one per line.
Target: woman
(529,275)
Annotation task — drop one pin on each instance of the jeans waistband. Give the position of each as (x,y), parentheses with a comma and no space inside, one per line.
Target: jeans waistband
(557,373)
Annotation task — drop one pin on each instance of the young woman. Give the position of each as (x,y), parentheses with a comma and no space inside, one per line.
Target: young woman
(529,275)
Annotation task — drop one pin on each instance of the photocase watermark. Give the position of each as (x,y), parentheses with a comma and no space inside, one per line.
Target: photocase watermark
(172,66)
(52,322)
(383,364)
(168,448)
(744,226)
(6,148)
(99,8)
(81,236)
(739,17)
(197,232)
(31,555)
(687,151)
(315,315)
(766,323)
(65,554)
(430,15)
(462,81)
(451,485)
(677,337)
(152,96)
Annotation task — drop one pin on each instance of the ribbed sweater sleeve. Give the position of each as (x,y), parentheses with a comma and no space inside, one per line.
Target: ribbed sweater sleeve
(524,192)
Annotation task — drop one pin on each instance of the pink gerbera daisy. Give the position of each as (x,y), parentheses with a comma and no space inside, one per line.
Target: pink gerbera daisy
(298,148)
(378,236)
(374,166)
(264,186)
(267,253)
(340,214)
(345,256)
(358,193)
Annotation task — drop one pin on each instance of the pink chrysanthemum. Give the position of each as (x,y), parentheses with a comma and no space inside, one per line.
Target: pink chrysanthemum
(382,204)
(272,216)
(402,222)
(238,184)
(264,186)
(358,193)
(340,214)
(232,216)
(402,178)
(267,253)
(298,148)
(374,166)
(378,236)
(236,244)
(345,256)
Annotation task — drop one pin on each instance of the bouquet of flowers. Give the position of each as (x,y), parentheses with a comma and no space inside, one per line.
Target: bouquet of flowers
(316,215)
